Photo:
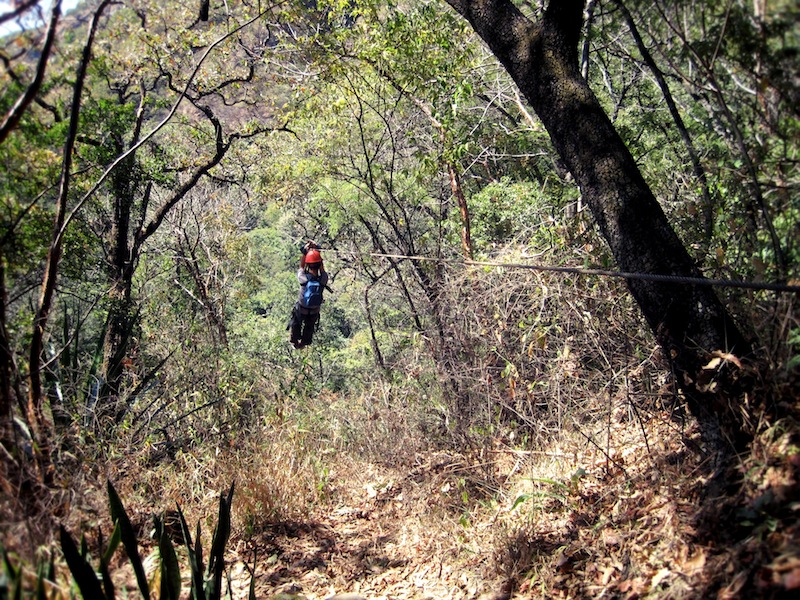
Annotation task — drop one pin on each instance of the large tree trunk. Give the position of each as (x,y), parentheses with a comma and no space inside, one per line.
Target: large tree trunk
(120,266)
(119,327)
(688,320)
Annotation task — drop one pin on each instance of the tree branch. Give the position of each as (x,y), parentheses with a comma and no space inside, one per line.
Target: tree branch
(167,118)
(19,9)
(16,112)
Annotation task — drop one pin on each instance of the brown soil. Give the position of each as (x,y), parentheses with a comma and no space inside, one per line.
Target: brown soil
(588,518)
(618,509)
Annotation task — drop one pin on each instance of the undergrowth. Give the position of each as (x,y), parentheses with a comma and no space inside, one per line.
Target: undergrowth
(553,437)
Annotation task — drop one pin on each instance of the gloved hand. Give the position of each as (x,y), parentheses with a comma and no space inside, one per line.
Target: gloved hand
(309,245)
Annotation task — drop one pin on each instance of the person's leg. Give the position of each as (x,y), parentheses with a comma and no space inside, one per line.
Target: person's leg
(295,325)
(309,323)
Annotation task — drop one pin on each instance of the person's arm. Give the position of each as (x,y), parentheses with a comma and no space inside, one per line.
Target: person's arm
(306,247)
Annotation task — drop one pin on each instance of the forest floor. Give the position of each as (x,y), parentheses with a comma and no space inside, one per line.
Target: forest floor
(620,513)
(619,508)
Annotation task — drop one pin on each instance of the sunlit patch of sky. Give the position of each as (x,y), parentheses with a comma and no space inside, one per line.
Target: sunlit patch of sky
(31,18)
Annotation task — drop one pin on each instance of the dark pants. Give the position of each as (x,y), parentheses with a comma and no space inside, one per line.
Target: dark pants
(302,327)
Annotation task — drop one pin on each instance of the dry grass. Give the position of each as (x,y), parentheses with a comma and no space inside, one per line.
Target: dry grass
(611,507)
(563,465)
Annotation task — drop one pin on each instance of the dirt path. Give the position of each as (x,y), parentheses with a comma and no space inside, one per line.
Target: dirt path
(573,522)
(392,535)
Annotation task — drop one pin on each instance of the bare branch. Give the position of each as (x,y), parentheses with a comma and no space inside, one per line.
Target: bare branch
(22,103)
(19,9)
(167,118)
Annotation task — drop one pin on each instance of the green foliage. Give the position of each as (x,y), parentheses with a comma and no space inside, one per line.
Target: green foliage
(205,584)
(508,211)
(10,577)
(551,490)
(128,537)
(740,118)
(13,580)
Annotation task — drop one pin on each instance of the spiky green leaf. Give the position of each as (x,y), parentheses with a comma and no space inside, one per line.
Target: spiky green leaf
(197,591)
(170,569)
(113,543)
(129,539)
(82,571)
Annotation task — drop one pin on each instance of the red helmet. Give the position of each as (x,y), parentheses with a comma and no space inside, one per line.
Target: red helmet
(313,256)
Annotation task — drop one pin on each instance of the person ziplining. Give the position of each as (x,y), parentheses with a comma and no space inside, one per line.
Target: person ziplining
(313,280)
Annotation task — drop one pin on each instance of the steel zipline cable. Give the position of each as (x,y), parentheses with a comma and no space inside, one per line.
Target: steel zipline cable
(677,279)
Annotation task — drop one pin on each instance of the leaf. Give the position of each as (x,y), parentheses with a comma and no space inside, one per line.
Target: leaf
(196,591)
(694,565)
(108,584)
(12,572)
(82,571)
(170,569)
(129,540)
(113,543)
(659,577)
(8,565)
(41,576)
(722,357)
(252,594)
(216,559)
(520,499)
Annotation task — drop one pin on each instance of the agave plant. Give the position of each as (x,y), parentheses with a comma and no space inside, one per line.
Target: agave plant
(205,584)
(11,578)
